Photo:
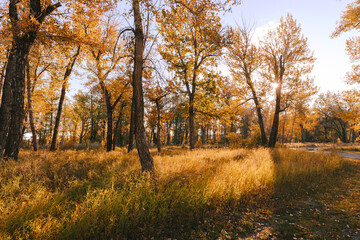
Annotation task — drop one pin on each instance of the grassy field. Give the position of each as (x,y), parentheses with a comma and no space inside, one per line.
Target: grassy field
(203,194)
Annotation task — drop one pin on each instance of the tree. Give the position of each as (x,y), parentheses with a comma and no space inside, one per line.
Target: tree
(244,59)
(147,162)
(68,70)
(107,69)
(156,94)
(41,61)
(193,38)
(25,26)
(287,60)
(82,111)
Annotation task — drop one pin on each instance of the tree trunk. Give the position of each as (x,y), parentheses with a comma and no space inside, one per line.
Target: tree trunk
(117,124)
(302,133)
(15,133)
(6,100)
(2,75)
(147,163)
(203,134)
(67,74)
(292,127)
(185,135)
(109,134)
(275,125)
(168,140)
(152,140)
(132,125)
(264,141)
(82,131)
(191,122)
(176,131)
(214,131)
(121,134)
(30,110)
(344,132)
(283,130)
(158,140)
(57,118)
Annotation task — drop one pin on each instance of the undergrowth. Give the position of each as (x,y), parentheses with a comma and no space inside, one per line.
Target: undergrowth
(97,195)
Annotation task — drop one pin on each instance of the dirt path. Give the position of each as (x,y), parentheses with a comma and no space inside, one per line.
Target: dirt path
(350,155)
(353,156)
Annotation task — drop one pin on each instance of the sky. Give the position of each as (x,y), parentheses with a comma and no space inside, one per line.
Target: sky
(318,20)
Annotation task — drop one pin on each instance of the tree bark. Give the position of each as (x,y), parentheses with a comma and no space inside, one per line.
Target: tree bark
(117,124)
(115,132)
(264,141)
(344,132)
(30,110)
(275,125)
(132,125)
(109,134)
(67,74)
(191,122)
(147,163)
(2,76)
(82,131)
(214,131)
(203,134)
(283,130)
(57,118)
(158,140)
(302,133)
(6,100)
(168,140)
(293,126)
(16,123)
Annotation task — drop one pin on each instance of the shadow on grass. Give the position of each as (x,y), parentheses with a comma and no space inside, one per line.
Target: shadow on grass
(304,200)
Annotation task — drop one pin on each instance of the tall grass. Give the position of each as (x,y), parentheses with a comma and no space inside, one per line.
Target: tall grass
(98,195)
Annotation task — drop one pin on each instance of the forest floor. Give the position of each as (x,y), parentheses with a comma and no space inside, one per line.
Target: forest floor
(203,194)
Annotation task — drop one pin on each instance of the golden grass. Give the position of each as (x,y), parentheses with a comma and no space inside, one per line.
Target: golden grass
(242,175)
(98,195)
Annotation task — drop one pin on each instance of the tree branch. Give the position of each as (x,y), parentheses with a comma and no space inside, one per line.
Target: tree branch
(47,11)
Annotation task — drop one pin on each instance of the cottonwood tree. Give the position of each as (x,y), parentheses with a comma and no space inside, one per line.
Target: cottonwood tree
(193,37)
(40,62)
(81,107)
(157,93)
(287,59)
(244,59)
(74,54)
(146,160)
(108,68)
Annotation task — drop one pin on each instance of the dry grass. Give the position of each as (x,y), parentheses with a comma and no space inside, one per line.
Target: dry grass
(98,195)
